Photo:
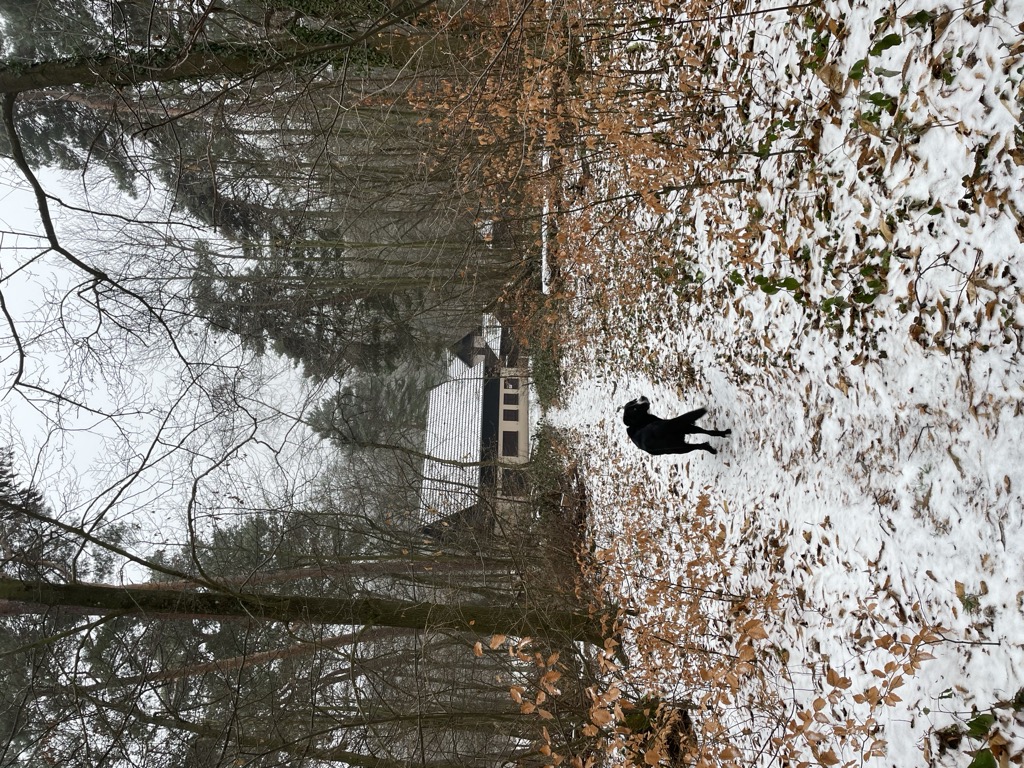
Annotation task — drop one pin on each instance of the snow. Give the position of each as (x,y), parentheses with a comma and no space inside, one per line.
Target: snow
(867,511)
(452,473)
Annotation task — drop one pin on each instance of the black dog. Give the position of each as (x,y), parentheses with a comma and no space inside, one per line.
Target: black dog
(659,436)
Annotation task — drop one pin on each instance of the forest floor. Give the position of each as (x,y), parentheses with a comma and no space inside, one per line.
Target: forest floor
(808,219)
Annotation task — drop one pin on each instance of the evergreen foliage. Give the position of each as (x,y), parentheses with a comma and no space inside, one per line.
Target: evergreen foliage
(31,549)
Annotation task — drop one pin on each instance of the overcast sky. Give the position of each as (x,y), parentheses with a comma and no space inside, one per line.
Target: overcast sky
(87,454)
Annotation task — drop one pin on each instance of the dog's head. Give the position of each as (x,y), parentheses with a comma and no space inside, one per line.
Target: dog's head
(635,409)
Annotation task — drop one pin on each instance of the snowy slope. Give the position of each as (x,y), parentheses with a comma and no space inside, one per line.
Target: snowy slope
(853,312)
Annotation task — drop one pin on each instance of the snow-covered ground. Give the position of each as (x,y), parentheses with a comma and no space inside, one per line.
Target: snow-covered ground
(844,582)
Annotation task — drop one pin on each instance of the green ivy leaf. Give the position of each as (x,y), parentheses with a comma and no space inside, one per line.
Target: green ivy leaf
(881,100)
(983,759)
(834,304)
(1018,701)
(863,297)
(885,43)
(919,19)
(979,726)
(857,70)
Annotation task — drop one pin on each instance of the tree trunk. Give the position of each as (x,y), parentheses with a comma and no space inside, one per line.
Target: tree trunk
(97,599)
(158,65)
(406,567)
(214,60)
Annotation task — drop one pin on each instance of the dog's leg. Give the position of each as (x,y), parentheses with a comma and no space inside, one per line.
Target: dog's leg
(687,423)
(695,430)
